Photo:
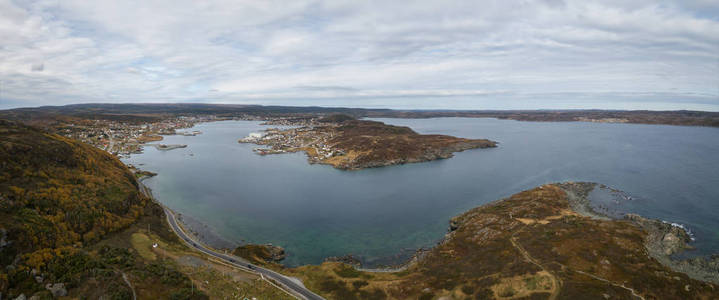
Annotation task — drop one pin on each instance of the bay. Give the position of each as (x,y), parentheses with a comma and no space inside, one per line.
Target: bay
(383,214)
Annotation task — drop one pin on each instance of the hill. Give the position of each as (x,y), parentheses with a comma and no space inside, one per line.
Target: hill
(55,116)
(336,118)
(58,192)
(58,199)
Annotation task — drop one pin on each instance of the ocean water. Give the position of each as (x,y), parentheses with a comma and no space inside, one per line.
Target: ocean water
(382,215)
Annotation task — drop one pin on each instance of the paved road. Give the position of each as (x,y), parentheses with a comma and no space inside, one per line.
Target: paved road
(285,281)
(295,288)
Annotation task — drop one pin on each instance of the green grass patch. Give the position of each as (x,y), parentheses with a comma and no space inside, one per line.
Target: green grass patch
(143,245)
(347,272)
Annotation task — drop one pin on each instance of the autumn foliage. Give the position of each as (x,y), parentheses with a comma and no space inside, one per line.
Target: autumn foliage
(57,193)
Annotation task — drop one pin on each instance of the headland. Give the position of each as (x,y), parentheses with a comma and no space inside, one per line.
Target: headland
(349,144)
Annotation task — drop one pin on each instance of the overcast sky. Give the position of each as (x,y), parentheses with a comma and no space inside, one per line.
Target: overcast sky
(400,54)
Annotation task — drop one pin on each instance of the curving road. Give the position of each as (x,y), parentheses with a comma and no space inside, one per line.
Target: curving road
(292,286)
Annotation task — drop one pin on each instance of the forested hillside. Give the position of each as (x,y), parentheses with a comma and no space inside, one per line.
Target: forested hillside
(57,192)
(57,195)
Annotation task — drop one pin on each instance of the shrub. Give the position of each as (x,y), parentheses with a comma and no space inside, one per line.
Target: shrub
(359,284)
(347,272)
(467,289)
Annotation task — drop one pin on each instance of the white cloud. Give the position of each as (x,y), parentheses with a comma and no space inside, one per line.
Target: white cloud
(446,54)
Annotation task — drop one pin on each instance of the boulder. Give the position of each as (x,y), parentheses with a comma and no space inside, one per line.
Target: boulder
(57,289)
(3,238)
(277,252)
(453,224)
(347,259)
(267,252)
(671,243)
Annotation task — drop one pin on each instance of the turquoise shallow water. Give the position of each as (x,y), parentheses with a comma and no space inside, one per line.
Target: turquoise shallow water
(315,211)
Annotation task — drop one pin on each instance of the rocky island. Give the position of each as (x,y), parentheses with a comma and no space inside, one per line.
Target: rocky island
(164,147)
(543,243)
(349,144)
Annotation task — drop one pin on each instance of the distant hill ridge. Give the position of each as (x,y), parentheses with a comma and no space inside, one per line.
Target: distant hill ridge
(149,112)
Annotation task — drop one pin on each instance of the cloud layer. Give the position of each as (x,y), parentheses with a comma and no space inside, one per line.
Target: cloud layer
(419,54)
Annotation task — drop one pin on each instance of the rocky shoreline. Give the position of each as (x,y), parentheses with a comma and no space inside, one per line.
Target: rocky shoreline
(663,239)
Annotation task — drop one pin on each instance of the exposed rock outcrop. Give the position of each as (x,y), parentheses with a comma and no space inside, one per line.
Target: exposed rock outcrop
(3,235)
(347,259)
(663,238)
(261,253)
(57,289)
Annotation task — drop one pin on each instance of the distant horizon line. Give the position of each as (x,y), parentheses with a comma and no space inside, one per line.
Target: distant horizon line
(360,108)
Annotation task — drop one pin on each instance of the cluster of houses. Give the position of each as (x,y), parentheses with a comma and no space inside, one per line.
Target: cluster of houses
(122,138)
(289,140)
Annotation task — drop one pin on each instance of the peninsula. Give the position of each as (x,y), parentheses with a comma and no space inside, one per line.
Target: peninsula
(349,144)
(543,243)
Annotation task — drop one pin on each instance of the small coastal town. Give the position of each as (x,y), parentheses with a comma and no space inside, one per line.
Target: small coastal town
(124,138)
(315,142)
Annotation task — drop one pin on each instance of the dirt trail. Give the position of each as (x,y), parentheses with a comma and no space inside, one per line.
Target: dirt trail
(556,282)
(124,277)
(634,293)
